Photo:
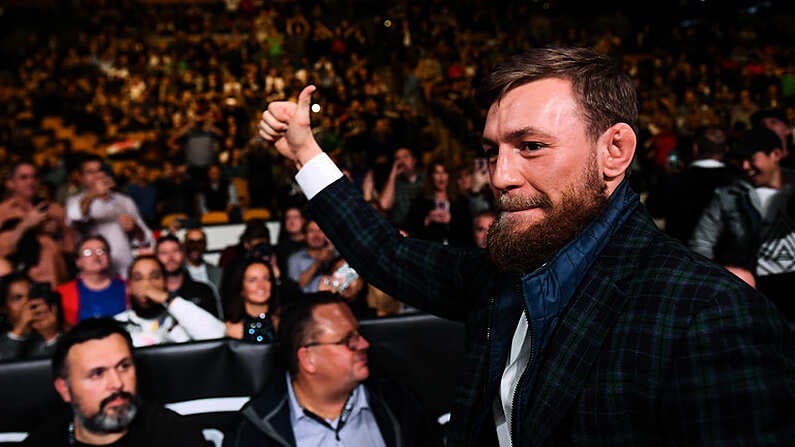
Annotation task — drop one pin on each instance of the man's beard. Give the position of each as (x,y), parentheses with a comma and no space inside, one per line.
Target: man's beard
(175,272)
(516,246)
(194,257)
(103,422)
(150,311)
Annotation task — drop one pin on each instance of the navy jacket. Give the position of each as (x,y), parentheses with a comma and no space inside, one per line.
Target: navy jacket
(265,420)
(657,345)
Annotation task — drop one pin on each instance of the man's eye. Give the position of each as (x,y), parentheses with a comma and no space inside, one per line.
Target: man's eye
(491,154)
(530,146)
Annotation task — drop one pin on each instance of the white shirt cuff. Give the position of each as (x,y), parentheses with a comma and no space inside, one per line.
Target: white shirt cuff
(316,174)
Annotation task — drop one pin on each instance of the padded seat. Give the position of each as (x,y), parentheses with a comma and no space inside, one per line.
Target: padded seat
(214,217)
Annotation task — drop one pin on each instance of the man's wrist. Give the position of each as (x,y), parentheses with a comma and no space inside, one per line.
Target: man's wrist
(170,298)
(304,156)
(317,173)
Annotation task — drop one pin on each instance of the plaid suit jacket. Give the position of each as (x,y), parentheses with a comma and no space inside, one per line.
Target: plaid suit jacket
(658,346)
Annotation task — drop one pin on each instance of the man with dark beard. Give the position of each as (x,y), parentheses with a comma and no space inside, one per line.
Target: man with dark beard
(94,371)
(171,253)
(587,325)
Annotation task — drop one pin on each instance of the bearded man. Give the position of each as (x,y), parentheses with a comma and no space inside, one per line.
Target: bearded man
(94,372)
(587,324)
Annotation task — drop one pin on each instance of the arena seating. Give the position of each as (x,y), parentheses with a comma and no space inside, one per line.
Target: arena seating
(209,381)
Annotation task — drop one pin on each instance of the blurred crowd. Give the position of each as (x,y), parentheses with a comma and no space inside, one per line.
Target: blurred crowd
(123,125)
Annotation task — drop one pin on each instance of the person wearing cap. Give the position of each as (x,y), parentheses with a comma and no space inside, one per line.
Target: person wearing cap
(749,226)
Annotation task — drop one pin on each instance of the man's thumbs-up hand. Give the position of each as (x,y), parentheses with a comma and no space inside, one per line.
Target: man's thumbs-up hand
(287,124)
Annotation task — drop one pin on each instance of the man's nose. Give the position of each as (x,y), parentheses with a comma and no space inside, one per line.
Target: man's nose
(504,172)
(115,380)
(363,343)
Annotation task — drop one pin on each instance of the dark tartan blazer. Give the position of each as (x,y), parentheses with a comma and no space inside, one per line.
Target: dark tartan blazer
(658,345)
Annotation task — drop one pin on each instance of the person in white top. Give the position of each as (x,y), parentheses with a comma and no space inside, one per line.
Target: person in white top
(158,316)
(100,210)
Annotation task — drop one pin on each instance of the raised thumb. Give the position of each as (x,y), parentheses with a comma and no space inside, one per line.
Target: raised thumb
(304,101)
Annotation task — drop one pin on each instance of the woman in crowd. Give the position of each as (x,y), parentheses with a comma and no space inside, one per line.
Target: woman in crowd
(254,316)
(31,320)
(158,316)
(440,214)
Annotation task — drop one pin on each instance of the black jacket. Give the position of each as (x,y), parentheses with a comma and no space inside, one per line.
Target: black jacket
(153,426)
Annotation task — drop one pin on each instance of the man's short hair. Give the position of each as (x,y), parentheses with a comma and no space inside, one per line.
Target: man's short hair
(711,140)
(255,229)
(296,323)
(86,330)
(12,170)
(484,213)
(757,139)
(604,93)
(167,238)
(141,258)
(88,158)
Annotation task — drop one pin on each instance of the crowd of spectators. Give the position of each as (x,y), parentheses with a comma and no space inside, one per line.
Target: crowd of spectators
(157,105)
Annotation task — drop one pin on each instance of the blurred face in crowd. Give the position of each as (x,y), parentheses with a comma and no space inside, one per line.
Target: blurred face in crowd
(195,246)
(762,169)
(293,221)
(315,238)
(214,174)
(171,255)
(93,257)
(100,384)
(339,366)
(544,171)
(440,177)
(257,283)
(405,161)
(481,229)
(147,272)
(464,180)
(17,300)
(24,182)
(90,173)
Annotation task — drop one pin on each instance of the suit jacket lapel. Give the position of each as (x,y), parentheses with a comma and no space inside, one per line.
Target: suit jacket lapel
(575,345)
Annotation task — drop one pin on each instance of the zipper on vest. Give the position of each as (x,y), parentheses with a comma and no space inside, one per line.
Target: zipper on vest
(522,379)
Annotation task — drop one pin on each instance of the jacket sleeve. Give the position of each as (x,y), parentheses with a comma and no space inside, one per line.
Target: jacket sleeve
(733,376)
(195,321)
(708,230)
(440,280)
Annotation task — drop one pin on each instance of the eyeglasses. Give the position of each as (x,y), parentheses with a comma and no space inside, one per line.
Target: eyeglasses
(350,341)
(86,252)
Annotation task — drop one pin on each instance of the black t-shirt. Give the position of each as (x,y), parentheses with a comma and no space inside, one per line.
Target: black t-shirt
(154,426)
(198,293)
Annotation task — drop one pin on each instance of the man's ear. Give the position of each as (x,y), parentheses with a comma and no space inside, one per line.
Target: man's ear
(63,389)
(619,142)
(777,154)
(306,361)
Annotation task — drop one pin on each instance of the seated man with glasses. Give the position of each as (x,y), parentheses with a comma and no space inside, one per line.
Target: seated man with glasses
(94,292)
(327,397)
